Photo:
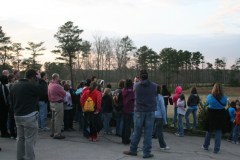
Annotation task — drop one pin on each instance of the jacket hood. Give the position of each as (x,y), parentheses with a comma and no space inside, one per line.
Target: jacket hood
(178,90)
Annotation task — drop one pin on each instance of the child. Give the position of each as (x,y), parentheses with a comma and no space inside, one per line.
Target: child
(160,118)
(232,114)
(107,109)
(178,91)
(237,125)
(68,109)
(181,105)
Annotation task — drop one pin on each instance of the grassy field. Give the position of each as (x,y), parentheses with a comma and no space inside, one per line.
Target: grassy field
(232,93)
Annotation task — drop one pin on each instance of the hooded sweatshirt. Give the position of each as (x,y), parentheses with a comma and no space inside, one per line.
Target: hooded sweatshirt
(145,96)
(178,91)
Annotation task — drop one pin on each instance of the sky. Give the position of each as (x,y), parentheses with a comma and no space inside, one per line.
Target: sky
(211,27)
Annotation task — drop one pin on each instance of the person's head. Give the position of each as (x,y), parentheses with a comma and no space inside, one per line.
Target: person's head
(143,74)
(217,91)
(31,74)
(81,85)
(107,91)
(128,83)
(194,90)
(158,89)
(237,104)
(68,82)
(88,82)
(55,77)
(66,87)
(94,78)
(164,88)
(11,78)
(4,79)
(16,74)
(233,104)
(182,97)
(121,83)
(5,73)
(93,86)
(178,90)
(136,79)
(109,85)
(43,75)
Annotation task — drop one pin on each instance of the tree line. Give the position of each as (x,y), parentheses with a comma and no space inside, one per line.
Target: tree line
(119,56)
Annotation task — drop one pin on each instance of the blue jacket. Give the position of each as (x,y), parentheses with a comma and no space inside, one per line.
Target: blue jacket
(232,113)
(161,111)
(145,96)
(213,103)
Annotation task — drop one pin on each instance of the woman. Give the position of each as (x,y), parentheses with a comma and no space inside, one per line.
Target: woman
(128,109)
(166,95)
(216,117)
(192,103)
(91,98)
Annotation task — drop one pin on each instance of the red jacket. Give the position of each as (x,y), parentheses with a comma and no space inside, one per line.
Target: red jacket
(96,97)
(238,117)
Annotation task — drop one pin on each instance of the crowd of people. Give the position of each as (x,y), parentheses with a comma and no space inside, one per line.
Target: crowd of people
(135,107)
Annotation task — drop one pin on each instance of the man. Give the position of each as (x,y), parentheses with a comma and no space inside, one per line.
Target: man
(56,96)
(24,98)
(145,106)
(4,106)
(42,103)
(5,73)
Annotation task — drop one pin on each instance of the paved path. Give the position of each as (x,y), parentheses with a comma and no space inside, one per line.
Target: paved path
(109,147)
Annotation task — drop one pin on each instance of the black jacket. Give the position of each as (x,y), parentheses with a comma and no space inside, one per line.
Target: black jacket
(193,100)
(107,104)
(44,84)
(216,120)
(24,96)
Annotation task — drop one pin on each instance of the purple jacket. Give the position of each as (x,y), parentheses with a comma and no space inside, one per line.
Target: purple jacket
(128,100)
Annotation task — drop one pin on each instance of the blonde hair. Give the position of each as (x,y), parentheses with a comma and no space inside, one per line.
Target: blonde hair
(106,91)
(217,91)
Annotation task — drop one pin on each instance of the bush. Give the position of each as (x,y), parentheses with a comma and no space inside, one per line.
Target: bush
(202,116)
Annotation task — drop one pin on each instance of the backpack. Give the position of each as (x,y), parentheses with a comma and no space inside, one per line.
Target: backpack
(117,100)
(89,105)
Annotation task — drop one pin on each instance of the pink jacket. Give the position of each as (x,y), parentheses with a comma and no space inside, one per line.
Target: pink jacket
(178,91)
(56,92)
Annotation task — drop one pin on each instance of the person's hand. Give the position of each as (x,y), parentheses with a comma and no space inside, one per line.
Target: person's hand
(96,112)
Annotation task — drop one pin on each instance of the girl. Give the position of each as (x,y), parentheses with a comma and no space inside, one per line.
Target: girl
(181,105)
(216,117)
(166,95)
(178,91)
(160,119)
(107,109)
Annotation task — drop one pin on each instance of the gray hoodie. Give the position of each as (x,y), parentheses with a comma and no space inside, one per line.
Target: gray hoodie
(145,96)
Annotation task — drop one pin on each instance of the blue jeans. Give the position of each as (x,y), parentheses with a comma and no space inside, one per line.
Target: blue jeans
(159,132)
(42,114)
(27,130)
(119,123)
(175,116)
(194,113)
(166,106)
(142,120)
(218,136)
(106,122)
(236,133)
(180,125)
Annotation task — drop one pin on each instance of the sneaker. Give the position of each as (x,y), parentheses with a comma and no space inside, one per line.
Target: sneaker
(148,156)
(45,129)
(204,148)
(229,140)
(130,153)
(59,137)
(179,135)
(233,142)
(172,125)
(216,152)
(165,148)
